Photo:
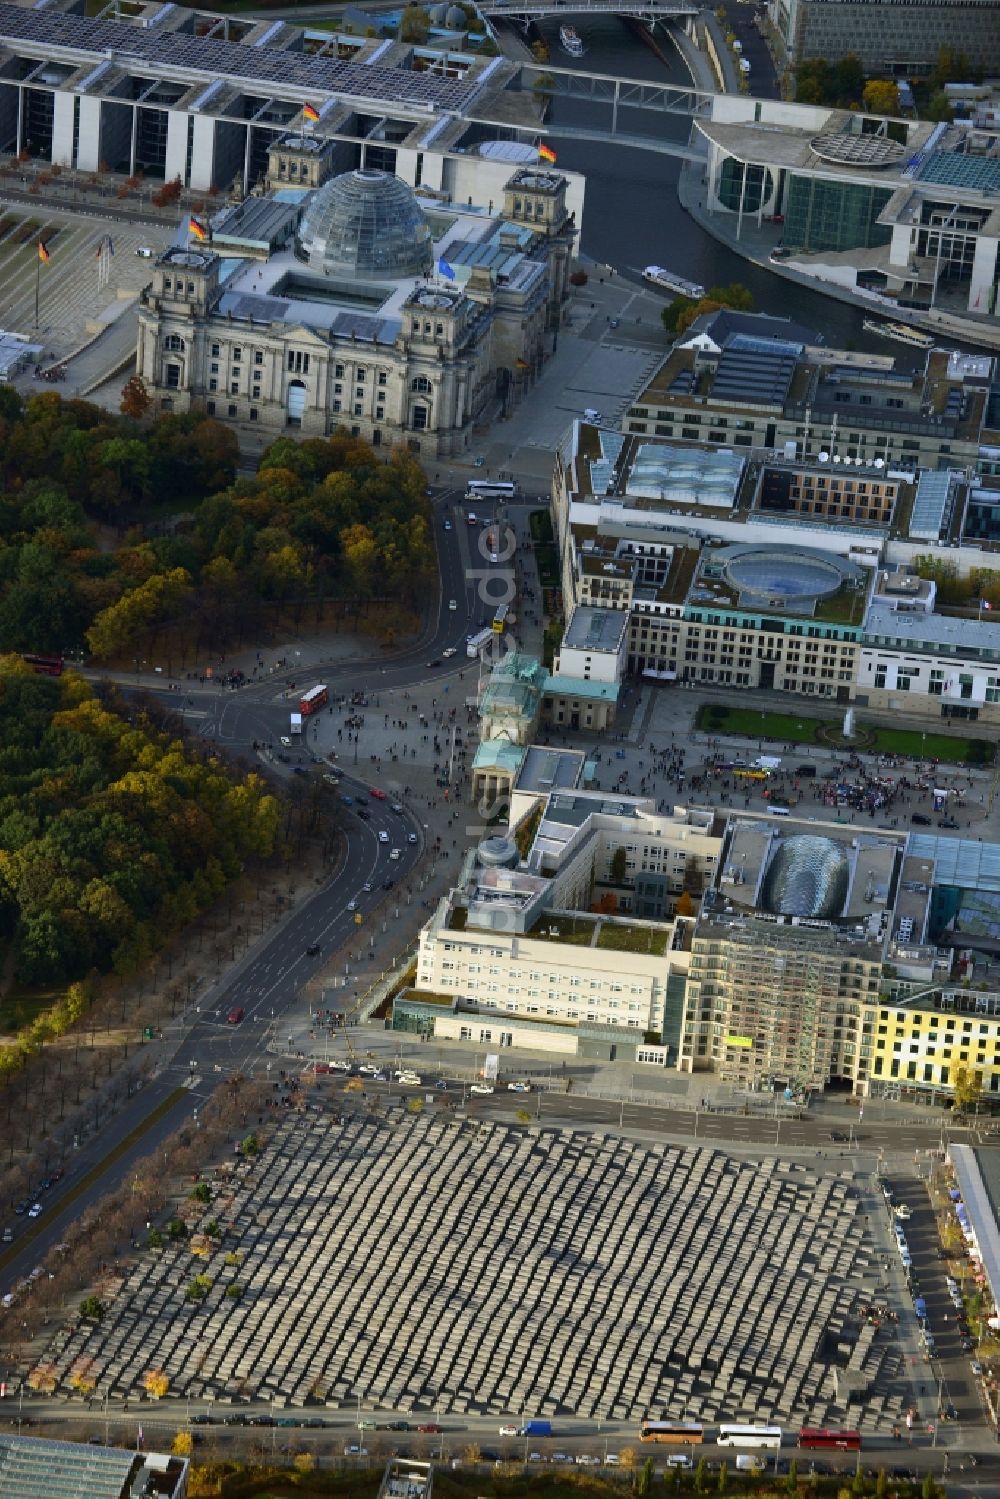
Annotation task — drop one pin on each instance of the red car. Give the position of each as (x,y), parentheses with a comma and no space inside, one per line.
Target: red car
(430,1426)
(235,1016)
(377,794)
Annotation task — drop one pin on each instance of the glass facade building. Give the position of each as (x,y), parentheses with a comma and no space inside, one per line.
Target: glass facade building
(756,190)
(823,215)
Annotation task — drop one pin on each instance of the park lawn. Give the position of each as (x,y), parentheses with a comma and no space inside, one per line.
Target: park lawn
(925,746)
(20,1006)
(795,728)
(798,728)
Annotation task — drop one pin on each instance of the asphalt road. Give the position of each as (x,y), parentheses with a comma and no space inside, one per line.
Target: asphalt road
(205,1046)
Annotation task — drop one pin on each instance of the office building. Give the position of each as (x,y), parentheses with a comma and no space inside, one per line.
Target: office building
(904,210)
(569,934)
(42,1468)
(787,951)
(890,41)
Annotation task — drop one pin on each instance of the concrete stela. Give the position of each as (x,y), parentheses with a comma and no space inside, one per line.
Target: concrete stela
(424,1264)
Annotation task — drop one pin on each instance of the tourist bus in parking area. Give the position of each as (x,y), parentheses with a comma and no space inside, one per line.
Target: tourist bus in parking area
(313,700)
(750,1436)
(675,1432)
(824,1436)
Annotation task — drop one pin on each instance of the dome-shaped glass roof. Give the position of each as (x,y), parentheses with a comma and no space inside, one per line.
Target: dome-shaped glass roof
(808,876)
(365,224)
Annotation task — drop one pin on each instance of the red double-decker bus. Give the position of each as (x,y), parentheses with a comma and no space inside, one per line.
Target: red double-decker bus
(313,699)
(48,666)
(822,1436)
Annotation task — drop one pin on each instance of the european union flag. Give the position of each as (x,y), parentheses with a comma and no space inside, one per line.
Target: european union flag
(445,270)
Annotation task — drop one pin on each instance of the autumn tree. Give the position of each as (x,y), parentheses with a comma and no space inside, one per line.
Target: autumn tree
(881,97)
(136,400)
(967,1089)
(156,1383)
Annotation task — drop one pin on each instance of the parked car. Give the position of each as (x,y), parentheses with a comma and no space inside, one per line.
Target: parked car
(518,1087)
(430,1428)
(35,1210)
(481,1088)
(947,822)
(921,820)
(507,1431)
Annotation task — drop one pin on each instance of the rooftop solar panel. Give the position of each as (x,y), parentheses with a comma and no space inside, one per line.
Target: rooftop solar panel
(42,34)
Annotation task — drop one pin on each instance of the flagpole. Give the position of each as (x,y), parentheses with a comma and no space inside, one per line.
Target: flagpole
(38,280)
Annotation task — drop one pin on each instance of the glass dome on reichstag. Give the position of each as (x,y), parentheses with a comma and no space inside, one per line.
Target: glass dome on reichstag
(367,225)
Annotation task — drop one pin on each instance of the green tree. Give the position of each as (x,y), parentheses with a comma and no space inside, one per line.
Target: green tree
(619,862)
(415,26)
(723,1477)
(929,1489)
(201,1193)
(250,1146)
(92,1309)
(644,1482)
(881,1484)
(939,109)
(792,1478)
(701,1478)
(848,80)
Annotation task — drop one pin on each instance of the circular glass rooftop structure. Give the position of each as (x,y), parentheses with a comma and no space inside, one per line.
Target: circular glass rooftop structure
(808,876)
(848,149)
(781,574)
(365,225)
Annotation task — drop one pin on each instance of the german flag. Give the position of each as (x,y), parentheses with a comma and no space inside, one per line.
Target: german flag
(546,153)
(521,364)
(310,113)
(43,252)
(197,228)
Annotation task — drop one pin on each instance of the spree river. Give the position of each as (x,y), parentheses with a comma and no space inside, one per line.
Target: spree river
(632,217)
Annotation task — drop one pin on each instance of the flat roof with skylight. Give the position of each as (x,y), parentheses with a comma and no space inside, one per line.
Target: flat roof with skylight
(599,631)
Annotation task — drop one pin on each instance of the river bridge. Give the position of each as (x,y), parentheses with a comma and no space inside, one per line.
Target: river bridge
(643,10)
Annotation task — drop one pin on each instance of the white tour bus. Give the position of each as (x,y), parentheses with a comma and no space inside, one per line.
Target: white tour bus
(476,644)
(491,489)
(750,1436)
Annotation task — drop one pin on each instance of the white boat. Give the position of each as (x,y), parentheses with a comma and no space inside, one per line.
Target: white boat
(570,41)
(901,332)
(667,281)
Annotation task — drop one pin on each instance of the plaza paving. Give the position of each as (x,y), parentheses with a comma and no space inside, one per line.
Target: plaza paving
(72,302)
(425,1264)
